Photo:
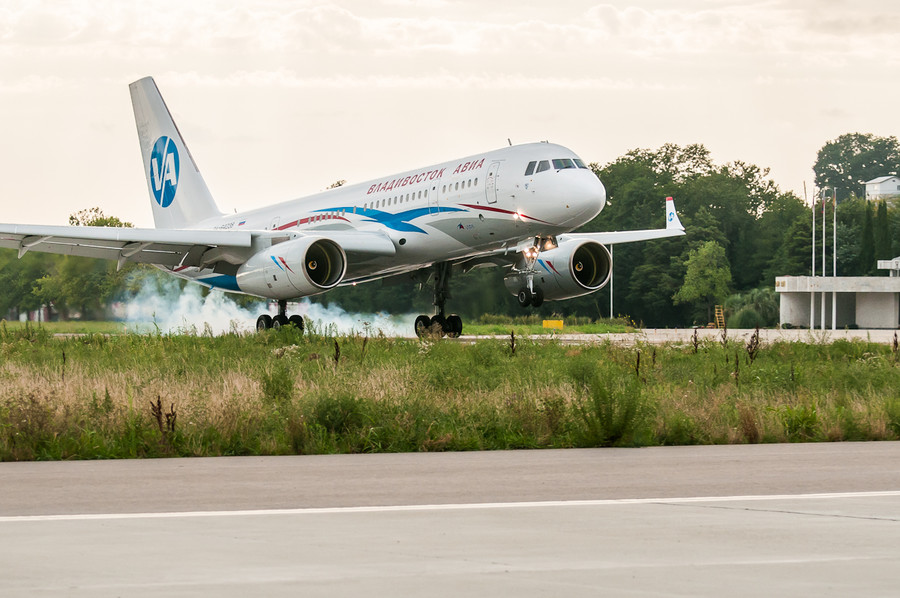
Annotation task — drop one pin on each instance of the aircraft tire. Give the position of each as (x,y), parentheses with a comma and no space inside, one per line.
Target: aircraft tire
(297,322)
(439,324)
(263,322)
(279,321)
(454,326)
(524,297)
(537,299)
(423,323)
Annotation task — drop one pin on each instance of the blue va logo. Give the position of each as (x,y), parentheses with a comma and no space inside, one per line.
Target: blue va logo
(164,169)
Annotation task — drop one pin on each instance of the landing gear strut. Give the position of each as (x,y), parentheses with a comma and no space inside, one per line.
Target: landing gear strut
(265,321)
(530,294)
(440,324)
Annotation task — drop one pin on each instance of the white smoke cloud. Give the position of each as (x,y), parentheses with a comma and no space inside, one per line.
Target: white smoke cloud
(163,305)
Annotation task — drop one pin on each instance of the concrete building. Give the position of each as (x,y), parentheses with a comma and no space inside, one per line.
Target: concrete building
(843,301)
(883,187)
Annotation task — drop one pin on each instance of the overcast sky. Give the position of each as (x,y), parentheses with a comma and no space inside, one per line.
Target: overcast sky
(278,99)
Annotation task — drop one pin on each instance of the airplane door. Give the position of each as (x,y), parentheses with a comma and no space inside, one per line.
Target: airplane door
(490,185)
(433,198)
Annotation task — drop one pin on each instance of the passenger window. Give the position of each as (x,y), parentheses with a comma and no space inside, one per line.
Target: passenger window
(530,170)
(444,189)
(457,186)
(544,165)
(476,181)
(426,193)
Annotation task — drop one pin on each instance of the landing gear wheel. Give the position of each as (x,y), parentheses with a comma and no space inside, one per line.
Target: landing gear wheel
(454,326)
(439,325)
(524,297)
(279,321)
(263,322)
(297,322)
(537,298)
(423,323)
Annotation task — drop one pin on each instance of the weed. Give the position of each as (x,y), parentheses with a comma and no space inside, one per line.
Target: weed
(753,345)
(748,423)
(801,423)
(278,384)
(892,411)
(612,413)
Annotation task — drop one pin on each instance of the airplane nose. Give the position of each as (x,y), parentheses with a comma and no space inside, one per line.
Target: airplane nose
(586,196)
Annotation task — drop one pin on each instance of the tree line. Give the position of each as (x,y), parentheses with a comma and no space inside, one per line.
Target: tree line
(742,232)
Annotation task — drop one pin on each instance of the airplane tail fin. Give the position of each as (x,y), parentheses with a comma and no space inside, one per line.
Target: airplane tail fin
(672,220)
(178,194)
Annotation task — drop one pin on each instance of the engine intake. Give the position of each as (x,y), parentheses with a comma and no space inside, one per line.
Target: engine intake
(292,269)
(572,269)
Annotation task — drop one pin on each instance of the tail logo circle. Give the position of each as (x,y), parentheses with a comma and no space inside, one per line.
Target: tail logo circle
(165,167)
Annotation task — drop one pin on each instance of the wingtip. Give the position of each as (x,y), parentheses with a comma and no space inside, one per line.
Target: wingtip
(672,220)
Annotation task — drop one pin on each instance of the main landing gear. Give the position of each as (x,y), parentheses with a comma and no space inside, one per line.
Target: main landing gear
(265,321)
(440,324)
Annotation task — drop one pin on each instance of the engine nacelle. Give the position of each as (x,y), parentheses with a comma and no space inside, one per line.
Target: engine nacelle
(573,269)
(292,269)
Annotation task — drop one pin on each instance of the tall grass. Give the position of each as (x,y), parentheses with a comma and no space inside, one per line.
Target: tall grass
(281,392)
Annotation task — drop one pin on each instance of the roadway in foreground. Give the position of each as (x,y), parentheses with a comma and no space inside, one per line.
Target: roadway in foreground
(806,519)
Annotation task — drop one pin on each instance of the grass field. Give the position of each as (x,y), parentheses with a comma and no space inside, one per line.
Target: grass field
(70,327)
(487,325)
(99,396)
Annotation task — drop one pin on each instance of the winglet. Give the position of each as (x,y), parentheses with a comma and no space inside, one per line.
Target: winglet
(672,221)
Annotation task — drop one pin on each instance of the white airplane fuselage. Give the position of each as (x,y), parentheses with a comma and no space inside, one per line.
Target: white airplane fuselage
(448,211)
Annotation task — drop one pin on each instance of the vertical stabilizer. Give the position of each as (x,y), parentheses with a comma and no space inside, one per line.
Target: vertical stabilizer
(178,194)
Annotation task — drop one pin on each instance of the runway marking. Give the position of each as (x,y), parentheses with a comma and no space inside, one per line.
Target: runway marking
(446,507)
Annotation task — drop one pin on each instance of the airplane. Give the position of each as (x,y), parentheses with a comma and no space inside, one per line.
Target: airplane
(513,207)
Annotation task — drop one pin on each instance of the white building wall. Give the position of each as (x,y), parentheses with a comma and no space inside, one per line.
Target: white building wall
(888,188)
(877,310)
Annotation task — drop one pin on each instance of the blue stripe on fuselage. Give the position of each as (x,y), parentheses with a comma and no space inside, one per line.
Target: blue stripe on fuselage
(399,221)
(226,283)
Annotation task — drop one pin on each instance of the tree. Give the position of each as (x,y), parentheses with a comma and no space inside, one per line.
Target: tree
(707,278)
(96,217)
(867,248)
(80,284)
(847,162)
(882,235)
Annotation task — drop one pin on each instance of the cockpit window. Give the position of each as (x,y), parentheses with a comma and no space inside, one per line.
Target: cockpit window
(543,165)
(530,170)
(563,163)
(579,163)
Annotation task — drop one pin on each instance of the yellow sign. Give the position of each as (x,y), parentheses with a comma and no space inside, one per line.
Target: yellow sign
(553,324)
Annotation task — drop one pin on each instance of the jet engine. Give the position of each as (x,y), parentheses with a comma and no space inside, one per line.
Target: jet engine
(572,269)
(291,269)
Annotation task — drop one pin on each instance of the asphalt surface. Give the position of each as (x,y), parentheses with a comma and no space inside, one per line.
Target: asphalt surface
(806,519)
(658,336)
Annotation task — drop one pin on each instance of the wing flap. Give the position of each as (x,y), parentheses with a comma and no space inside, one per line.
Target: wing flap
(150,246)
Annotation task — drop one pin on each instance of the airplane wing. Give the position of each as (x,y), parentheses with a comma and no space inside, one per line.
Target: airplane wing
(674,228)
(167,247)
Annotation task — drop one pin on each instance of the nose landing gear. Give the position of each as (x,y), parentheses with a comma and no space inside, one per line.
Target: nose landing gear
(530,294)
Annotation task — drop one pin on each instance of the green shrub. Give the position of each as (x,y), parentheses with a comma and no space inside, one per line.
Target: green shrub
(613,413)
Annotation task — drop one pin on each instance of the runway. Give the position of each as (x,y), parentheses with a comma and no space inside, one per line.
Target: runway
(659,336)
(813,519)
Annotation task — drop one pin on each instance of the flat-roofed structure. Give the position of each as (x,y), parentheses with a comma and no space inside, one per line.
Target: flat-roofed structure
(842,301)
